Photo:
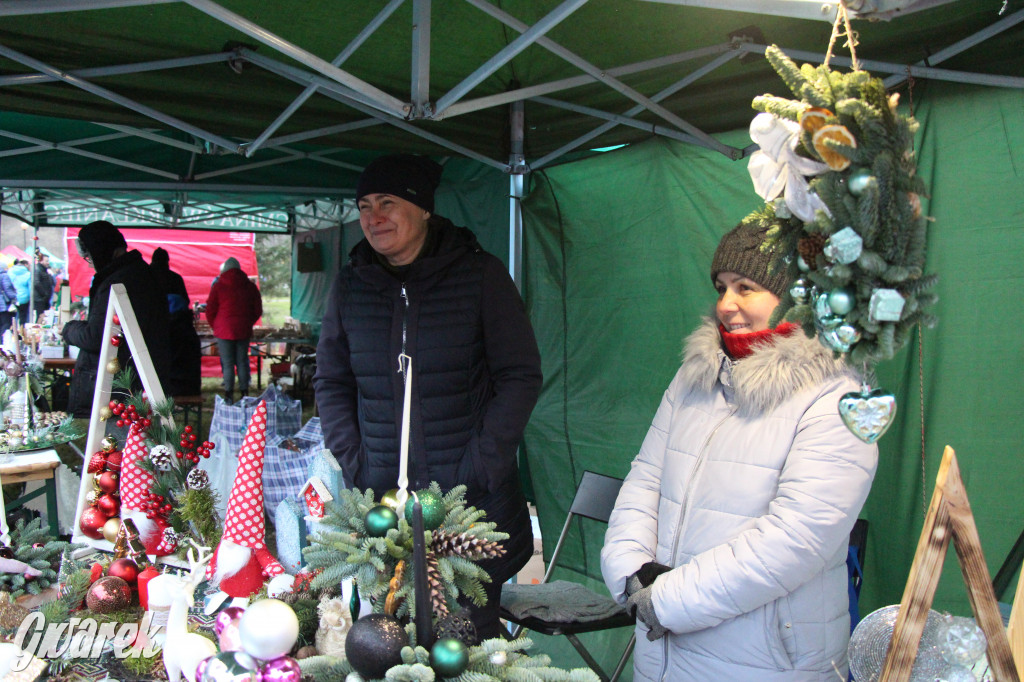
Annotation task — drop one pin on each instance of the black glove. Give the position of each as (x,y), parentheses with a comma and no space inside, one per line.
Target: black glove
(641,607)
(650,571)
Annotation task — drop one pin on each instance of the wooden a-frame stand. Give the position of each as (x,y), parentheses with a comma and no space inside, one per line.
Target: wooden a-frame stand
(950,518)
(120,306)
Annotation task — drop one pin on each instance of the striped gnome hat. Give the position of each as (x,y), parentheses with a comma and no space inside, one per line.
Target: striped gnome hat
(243,522)
(135,485)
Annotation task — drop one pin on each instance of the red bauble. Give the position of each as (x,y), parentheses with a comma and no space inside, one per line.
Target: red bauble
(125,569)
(114,460)
(108,594)
(97,462)
(91,522)
(108,505)
(107,481)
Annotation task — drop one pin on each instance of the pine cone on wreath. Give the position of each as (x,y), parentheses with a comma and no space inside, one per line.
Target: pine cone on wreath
(436,583)
(464,545)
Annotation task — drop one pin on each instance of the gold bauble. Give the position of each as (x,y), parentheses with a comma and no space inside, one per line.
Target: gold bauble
(106,413)
(113,366)
(111,528)
(108,444)
(390,499)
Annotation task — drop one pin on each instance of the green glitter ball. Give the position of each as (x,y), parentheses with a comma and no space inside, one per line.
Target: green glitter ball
(449,657)
(433,509)
(379,520)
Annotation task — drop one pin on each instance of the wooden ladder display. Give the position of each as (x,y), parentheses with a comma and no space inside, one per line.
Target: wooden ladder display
(950,518)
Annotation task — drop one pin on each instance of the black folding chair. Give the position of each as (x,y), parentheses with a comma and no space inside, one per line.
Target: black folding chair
(595,499)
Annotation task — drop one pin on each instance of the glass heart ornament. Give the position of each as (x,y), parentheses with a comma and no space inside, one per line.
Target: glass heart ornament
(868,413)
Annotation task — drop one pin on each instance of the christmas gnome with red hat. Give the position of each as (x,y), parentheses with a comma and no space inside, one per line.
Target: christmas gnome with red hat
(242,563)
(135,486)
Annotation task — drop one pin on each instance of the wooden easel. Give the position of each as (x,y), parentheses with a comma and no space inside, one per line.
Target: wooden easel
(949,517)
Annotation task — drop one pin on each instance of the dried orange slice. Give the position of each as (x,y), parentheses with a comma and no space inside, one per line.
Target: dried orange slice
(815,118)
(832,158)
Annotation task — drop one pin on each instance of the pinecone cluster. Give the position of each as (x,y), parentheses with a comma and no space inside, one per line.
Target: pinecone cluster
(464,545)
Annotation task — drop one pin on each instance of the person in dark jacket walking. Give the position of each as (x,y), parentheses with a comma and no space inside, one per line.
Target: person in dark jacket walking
(103,246)
(232,309)
(42,287)
(186,356)
(420,286)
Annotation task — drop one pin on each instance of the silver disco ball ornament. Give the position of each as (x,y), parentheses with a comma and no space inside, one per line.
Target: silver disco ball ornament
(869,644)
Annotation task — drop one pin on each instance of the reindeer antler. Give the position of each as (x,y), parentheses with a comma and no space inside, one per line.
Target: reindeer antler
(197,566)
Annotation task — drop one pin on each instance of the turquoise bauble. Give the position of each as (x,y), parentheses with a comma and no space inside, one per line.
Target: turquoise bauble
(859,181)
(841,301)
(379,520)
(433,509)
(449,657)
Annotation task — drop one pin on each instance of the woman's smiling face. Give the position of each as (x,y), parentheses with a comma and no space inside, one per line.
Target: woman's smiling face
(744,306)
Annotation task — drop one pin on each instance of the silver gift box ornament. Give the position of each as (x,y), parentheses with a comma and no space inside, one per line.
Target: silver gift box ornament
(844,246)
(886,305)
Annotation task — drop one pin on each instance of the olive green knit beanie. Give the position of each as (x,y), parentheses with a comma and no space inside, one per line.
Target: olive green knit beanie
(743,250)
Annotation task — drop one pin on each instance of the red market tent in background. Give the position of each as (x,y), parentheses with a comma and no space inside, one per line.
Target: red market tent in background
(11,253)
(196,255)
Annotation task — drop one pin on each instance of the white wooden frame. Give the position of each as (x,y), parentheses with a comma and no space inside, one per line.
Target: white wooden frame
(121,306)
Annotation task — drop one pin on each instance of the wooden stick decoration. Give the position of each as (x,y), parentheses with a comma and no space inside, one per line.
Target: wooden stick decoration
(949,518)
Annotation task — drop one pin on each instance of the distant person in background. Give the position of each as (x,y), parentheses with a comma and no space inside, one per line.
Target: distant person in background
(232,309)
(22,280)
(186,360)
(42,287)
(8,299)
(103,247)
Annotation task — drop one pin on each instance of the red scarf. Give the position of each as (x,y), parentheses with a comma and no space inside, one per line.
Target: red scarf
(739,346)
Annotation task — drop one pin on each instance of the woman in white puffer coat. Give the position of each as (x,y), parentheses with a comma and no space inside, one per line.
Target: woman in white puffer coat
(730,533)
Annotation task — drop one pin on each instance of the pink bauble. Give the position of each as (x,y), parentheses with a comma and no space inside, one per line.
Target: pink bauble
(201,668)
(282,669)
(229,637)
(229,615)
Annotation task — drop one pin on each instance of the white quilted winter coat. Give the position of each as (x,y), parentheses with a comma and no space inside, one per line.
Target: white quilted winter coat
(747,484)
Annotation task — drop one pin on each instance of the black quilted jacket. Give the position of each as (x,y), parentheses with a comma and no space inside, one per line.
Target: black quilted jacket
(475,377)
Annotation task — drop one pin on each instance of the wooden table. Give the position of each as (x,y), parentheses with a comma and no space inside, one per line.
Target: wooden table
(35,465)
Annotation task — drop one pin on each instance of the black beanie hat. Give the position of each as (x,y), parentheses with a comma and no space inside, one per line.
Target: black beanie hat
(743,251)
(410,177)
(100,239)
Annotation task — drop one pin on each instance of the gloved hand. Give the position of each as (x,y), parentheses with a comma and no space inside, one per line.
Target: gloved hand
(641,607)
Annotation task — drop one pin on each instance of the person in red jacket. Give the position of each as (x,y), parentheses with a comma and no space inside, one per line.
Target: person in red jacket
(232,309)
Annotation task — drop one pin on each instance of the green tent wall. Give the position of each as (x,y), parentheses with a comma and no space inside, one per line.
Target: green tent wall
(617,255)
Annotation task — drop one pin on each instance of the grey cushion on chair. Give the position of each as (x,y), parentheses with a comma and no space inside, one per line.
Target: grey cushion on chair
(558,602)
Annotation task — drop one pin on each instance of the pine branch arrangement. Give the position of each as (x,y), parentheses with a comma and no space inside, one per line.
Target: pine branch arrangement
(859,265)
(493,660)
(343,550)
(33,545)
(188,503)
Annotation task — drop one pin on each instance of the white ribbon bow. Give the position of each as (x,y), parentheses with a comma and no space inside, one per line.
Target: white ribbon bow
(777,166)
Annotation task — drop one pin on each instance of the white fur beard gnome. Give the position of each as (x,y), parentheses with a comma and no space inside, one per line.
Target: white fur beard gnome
(242,563)
(135,486)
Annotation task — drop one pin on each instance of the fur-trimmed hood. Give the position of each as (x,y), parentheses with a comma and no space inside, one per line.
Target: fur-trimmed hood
(771,374)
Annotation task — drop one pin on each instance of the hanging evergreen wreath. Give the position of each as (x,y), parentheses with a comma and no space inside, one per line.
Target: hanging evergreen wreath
(853,236)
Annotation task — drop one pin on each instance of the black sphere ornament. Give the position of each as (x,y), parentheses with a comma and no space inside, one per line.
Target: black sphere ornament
(433,509)
(457,626)
(379,520)
(449,657)
(374,644)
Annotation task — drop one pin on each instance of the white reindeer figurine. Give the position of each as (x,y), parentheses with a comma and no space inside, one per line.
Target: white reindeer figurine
(183,650)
